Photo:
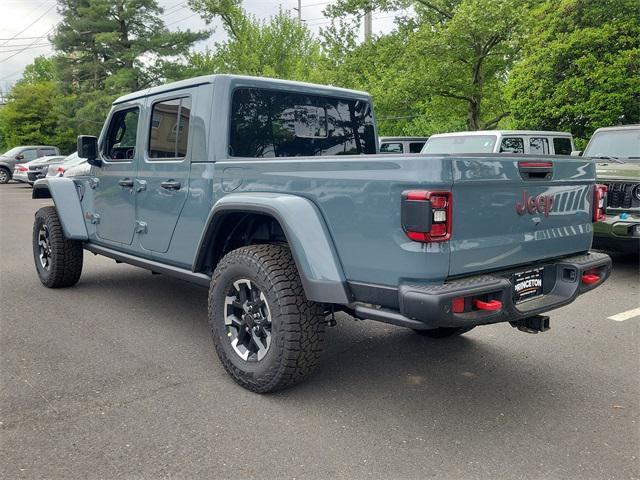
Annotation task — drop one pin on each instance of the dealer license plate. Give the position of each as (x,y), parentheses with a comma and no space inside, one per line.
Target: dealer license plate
(527,285)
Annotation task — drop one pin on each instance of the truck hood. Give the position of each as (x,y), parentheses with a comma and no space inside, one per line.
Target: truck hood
(618,171)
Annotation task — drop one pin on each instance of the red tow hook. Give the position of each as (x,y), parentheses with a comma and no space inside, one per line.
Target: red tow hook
(490,305)
(590,278)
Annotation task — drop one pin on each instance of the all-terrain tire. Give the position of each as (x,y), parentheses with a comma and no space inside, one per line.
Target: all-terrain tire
(64,259)
(296,328)
(443,332)
(5,175)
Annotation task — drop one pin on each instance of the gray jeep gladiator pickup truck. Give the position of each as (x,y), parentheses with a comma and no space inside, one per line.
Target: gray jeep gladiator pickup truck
(271,193)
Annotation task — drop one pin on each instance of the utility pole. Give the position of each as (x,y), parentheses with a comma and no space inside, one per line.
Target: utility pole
(299,9)
(368,25)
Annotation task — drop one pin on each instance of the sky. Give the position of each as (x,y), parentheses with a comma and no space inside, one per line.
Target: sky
(25,24)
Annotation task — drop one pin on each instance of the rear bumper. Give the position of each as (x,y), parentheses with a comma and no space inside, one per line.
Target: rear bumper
(20,177)
(616,233)
(427,306)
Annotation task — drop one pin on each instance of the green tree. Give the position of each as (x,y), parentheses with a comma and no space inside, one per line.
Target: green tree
(28,116)
(454,56)
(116,45)
(42,69)
(580,68)
(278,47)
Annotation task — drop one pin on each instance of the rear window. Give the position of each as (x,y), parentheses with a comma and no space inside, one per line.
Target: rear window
(391,148)
(461,144)
(416,147)
(562,146)
(267,123)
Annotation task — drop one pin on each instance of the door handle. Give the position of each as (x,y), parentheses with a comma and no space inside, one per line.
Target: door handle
(171,185)
(126,182)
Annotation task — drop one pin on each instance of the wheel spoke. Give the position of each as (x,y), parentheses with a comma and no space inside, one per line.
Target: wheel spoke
(258,343)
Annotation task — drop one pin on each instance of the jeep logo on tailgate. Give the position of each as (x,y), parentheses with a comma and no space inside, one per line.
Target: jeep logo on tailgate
(534,204)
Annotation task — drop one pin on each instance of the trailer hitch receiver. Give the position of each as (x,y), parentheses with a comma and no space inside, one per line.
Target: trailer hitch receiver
(535,324)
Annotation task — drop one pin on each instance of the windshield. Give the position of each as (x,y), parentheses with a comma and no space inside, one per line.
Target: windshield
(460,144)
(615,143)
(10,153)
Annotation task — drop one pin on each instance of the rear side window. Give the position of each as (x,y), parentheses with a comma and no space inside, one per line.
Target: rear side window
(169,130)
(415,147)
(512,145)
(47,151)
(120,142)
(391,148)
(266,123)
(539,146)
(562,146)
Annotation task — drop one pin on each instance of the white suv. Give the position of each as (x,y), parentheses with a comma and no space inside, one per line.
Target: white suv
(501,141)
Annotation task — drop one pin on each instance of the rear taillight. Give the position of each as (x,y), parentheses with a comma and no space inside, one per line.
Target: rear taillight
(426,215)
(600,202)
(60,170)
(21,168)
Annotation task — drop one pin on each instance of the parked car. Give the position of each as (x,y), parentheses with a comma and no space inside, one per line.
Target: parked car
(80,170)
(10,158)
(617,151)
(501,141)
(275,203)
(57,169)
(29,172)
(402,144)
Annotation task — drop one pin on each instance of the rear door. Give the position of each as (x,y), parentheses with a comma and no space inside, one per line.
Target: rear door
(163,176)
(510,211)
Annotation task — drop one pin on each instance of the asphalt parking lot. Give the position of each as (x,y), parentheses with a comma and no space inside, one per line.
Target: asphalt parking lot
(117,378)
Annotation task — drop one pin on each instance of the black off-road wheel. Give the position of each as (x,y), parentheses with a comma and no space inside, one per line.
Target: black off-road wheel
(443,332)
(58,260)
(266,333)
(5,175)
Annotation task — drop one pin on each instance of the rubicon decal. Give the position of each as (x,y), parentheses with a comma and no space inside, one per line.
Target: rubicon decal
(542,204)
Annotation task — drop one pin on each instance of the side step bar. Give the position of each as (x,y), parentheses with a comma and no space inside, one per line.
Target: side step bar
(155,267)
(387,316)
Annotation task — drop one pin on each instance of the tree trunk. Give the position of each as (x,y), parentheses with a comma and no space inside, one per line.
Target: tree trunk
(473,113)
(477,81)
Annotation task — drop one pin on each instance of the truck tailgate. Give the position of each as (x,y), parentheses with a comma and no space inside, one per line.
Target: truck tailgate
(510,211)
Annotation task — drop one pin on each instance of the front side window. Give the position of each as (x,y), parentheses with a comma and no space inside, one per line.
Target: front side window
(416,147)
(538,146)
(512,145)
(391,148)
(29,155)
(169,129)
(266,123)
(562,146)
(120,143)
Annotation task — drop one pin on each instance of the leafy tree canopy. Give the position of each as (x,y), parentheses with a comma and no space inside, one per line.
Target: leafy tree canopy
(580,68)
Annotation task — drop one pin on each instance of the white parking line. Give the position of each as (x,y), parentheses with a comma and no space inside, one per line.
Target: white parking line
(621,317)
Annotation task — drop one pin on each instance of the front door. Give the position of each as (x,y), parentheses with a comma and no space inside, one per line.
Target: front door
(163,176)
(114,197)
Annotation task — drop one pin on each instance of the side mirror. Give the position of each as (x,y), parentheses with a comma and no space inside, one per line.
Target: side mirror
(576,153)
(88,148)
(19,157)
